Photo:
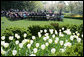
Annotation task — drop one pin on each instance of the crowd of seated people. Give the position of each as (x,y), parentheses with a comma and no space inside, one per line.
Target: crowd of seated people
(17,14)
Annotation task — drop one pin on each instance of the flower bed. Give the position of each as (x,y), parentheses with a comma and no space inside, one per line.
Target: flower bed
(48,43)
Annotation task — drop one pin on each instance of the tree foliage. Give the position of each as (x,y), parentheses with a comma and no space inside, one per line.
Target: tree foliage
(27,5)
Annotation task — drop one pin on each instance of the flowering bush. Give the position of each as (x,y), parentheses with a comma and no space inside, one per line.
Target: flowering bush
(49,44)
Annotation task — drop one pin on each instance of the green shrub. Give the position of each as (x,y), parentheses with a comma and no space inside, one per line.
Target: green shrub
(11,32)
(75,50)
(36,28)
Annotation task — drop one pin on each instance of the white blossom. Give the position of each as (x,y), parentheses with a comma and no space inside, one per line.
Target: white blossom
(53,50)
(71,37)
(32,55)
(79,40)
(60,30)
(61,42)
(57,38)
(56,41)
(60,34)
(14,52)
(67,44)
(25,35)
(51,31)
(41,31)
(2,43)
(50,41)
(24,41)
(31,41)
(45,30)
(53,36)
(33,37)
(17,36)
(3,52)
(44,38)
(56,32)
(39,34)
(28,45)
(46,43)
(62,50)
(20,45)
(11,37)
(6,45)
(47,37)
(37,44)
(46,34)
(68,32)
(42,46)
(16,42)
(63,28)
(82,35)
(3,37)
(35,50)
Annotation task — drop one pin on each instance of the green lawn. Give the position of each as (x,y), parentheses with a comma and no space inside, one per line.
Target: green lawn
(25,23)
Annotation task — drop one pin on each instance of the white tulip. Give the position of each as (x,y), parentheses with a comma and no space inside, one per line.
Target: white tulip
(47,37)
(39,34)
(44,38)
(79,40)
(45,30)
(16,42)
(3,52)
(25,35)
(66,41)
(43,47)
(68,44)
(46,43)
(68,32)
(53,50)
(56,32)
(20,45)
(82,35)
(14,52)
(50,41)
(28,45)
(6,45)
(63,28)
(18,37)
(78,34)
(35,50)
(32,55)
(53,35)
(62,50)
(60,30)
(41,31)
(51,31)
(24,41)
(3,38)
(31,41)
(11,37)
(71,38)
(61,42)
(56,41)
(57,38)
(46,34)
(2,43)
(33,37)
(37,44)
(60,34)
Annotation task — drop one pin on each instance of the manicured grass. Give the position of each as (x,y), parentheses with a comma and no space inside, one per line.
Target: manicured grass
(5,23)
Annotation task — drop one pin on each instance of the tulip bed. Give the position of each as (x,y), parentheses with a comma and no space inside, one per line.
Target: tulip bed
(50,43)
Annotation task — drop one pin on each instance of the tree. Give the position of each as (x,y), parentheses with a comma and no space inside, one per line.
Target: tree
(27,5)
